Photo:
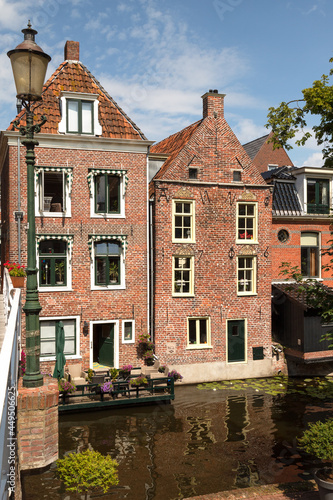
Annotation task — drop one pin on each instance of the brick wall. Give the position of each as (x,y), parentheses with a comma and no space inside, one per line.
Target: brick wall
(290,251)
(89,305)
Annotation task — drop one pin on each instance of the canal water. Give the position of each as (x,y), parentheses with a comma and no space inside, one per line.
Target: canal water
(213,437)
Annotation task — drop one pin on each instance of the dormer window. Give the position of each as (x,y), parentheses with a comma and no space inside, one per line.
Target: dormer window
(79,114)
(80,117)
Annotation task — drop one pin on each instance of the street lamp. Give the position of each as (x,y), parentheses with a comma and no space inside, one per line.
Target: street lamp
(29,65)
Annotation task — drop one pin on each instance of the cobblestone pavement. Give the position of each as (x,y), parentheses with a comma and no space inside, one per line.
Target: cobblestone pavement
(291,491)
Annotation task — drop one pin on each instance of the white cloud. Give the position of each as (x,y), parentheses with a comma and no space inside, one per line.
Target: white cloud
(315,160)
(246,130)
(14,14)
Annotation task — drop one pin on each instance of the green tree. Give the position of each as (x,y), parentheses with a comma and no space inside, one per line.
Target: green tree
(88,471)
(291,117)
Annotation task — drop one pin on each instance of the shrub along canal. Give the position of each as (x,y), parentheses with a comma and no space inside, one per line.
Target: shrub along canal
(213,437)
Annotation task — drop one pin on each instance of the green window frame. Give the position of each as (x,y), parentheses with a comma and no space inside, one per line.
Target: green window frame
(107,194)
(107,263)
(317,196)
(52,263)
(198,332)
(48,330)
(79,116)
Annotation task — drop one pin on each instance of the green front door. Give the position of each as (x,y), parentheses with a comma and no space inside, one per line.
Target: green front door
(105,333)
(236,340)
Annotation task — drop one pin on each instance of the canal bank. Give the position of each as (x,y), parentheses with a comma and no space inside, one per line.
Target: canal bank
(305,490)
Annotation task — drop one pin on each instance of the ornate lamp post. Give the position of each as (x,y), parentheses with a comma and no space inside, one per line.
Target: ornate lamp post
(29,65)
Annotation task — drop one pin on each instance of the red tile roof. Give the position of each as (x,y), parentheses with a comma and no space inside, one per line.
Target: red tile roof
(172,146)
(75,77)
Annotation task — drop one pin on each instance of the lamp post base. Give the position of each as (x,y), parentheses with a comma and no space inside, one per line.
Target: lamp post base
(33,380)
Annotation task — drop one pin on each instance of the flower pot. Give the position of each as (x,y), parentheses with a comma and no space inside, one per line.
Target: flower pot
(325,487)
(18,281)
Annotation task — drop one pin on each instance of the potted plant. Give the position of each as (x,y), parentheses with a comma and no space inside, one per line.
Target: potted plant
(105,388)
(148,356)
(65,388)
(17,273)
(318,440)
(125,371)
(60,272)
(113,272)
(175,375)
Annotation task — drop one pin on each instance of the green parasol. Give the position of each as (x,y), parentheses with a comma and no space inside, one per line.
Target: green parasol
(60,356)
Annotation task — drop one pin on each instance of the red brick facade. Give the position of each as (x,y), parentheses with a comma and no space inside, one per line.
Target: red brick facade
(79,159)
(215,153)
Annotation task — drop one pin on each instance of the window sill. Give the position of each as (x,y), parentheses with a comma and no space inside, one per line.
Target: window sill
(247,294)
(183,295)
(107,216)
(53,214)
(196,347)
(110,287)
(183,241)
(128,341)
(53,358)
(247,242)
(55,289)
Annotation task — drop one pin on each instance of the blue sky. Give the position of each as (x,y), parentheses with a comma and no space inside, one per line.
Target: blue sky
(157,58)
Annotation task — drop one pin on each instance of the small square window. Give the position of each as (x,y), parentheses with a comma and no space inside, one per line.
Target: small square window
(198,332)
(80,117)
(237,176)
(193,173)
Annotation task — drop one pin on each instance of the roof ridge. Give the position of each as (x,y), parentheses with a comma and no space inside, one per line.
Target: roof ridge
(254,140)
(134,125)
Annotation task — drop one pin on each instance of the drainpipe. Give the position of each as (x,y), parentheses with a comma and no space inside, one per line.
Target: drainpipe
(148,244)
(19,214)
(151,254)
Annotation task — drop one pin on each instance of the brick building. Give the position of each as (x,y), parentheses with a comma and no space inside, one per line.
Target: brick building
(211,213)
(91,195)
(264,156)
(301,234)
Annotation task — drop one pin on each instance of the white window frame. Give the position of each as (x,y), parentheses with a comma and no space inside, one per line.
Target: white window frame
(39,192)
(116,339)
(122,191)
(254,275)
(191,214)
(249,241)
(68,287)
(208,323)
(191,271)
(124,341)
(77,329)
(318,234)
(62,128)
(122,285)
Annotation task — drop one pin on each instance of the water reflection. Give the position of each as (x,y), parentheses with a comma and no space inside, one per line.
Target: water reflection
(203,443)
(237,418)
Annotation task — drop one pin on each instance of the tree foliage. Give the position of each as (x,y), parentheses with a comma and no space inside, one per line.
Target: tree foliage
(87,471)
(290,118)
(318,440)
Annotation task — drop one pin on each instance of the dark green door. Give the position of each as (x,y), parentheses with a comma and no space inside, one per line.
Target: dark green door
(105,334)
(236,340)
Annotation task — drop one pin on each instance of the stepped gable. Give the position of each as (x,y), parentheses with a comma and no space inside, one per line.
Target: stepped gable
(209,145)
(73,76)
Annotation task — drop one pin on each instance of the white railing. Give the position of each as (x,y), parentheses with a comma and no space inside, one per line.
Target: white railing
(9,363)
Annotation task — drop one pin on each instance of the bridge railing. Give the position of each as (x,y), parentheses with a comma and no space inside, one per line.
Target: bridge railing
(9,364)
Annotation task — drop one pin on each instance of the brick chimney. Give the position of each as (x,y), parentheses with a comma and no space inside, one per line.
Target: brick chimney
(72,51)
(213,104)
